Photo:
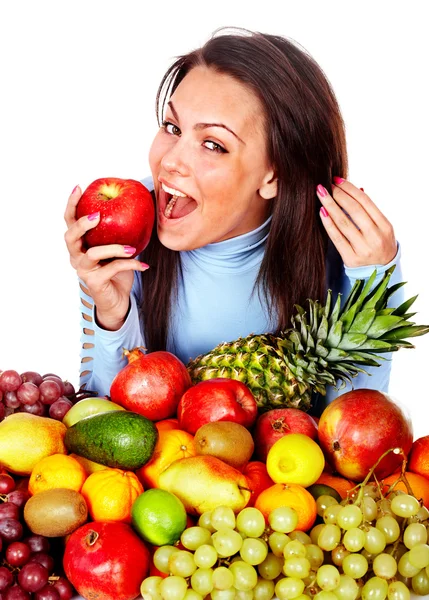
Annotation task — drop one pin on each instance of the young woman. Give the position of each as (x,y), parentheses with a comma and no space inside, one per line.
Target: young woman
(254,212)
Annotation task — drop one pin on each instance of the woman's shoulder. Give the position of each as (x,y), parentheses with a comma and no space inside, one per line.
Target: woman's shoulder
(148,182)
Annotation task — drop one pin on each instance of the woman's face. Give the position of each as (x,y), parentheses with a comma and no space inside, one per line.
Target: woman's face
(211,149)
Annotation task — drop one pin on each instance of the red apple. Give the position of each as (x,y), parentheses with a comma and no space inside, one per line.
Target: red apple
(126,210)
(358,427)
(276,423)
(151,384)
(218,399)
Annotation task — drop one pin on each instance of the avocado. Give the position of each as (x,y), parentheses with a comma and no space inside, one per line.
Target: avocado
(120,439)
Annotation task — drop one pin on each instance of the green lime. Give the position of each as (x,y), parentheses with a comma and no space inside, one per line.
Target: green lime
(321,489)
(159,517)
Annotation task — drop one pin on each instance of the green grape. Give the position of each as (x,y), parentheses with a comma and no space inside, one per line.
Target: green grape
(314,533)
(397,590)
(375,542)
(375,589)
(264,589)
(323,502)
(415,533)
(338,554)
(228,594)
(315,555)
(297,566)
(245,576)
(294,548)
(405,505)
(405,567)
(329,537)
(372,491)
(422,515)
(182,563)
(251,522)
(328,577)
(384,566)
(389,526)
(354,539)
(277,541)
(288,588)
(205,556)
(330,514)
(253,551)
(221,517)
(192,595)
(369,508)
(301,536)
(347,589)
(271,567)
(384,507)
(161,557)
(202,581)
(205,521)
(355,565)
(223,579)
(243,594)
(150,587)
(349,516)
(419,555)
(324,595)
(173,588)
(283,519)
(420,583)
(193,537)
(227,542)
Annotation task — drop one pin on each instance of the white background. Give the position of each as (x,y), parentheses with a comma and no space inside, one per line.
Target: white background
(78,84)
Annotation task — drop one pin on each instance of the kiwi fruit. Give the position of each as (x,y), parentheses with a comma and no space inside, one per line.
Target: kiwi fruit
(228,441)
(56,512)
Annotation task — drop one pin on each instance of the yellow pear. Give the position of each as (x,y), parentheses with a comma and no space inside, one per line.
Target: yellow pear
(25,439)
(204,482)
(87,407)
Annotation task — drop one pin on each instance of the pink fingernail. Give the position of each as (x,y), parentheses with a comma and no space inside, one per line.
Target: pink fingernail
(75,188)
(129,250)
(93,216)
(322,191)
(361,189)
(324,212)
(339,180)
(145,266)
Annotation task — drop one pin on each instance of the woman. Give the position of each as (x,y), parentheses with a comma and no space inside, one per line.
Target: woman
(254,213)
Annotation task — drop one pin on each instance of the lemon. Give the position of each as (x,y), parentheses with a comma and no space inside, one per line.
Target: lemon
(295,458)
(159,517)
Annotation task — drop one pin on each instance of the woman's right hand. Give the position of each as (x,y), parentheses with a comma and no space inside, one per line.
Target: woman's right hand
(108,284)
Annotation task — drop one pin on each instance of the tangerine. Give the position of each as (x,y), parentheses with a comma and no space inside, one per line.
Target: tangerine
(418,459)
(418,484)
(167,424)
(56,471)
(292,495)
(340,484)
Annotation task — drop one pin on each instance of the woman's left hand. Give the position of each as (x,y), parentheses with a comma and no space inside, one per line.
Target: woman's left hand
(358,229)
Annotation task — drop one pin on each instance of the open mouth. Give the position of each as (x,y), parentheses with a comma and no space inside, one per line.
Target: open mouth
(174,206)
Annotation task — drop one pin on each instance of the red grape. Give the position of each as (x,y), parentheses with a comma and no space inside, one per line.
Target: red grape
(38,543)
(68,389)
(57,380)
(7,483)
(9,510)
(47,593)
(37,409)
(64,587)
(11,530)
(32,376)
(6,578)
(43,559)
(11,400)
(32,577)
(50,391)
(16,593)
(60,408)
(2,411)
(17,554)
(28,393)
(18,497)
(10,381)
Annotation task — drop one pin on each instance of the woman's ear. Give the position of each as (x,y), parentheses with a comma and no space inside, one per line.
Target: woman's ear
(268,189)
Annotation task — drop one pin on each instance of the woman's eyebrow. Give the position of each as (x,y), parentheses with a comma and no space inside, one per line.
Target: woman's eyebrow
(199,126)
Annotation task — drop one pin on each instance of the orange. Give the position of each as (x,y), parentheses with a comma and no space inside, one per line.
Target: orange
(418,458)
(257,476)
(167,424)
(56,471)
(418,484)
(172,444)
(289,494)
(110,494)
(340,484)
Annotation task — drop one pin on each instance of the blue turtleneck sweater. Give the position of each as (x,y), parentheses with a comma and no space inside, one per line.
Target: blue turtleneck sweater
(216,303)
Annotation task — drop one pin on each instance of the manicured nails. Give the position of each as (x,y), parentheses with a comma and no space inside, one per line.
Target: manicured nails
(129,249)
(338,180)
(74,189)
(322,191)
(93,216)
(324,212)
(361,189)
(144,266)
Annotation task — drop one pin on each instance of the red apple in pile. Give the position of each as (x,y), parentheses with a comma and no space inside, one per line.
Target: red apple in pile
(358,427)
(126,210)
(275,423)
(151,384)
(218,399)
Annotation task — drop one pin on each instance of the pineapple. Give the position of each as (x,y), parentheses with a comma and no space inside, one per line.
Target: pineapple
(326,345)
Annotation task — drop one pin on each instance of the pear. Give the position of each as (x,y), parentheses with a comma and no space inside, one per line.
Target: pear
(204,482)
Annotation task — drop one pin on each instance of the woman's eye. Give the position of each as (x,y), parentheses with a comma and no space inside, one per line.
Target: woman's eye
(213,146)
(170,128)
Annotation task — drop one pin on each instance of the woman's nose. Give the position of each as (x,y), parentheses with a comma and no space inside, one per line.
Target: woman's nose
(175,159)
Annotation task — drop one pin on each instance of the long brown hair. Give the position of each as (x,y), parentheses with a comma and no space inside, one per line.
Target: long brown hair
(305,144)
